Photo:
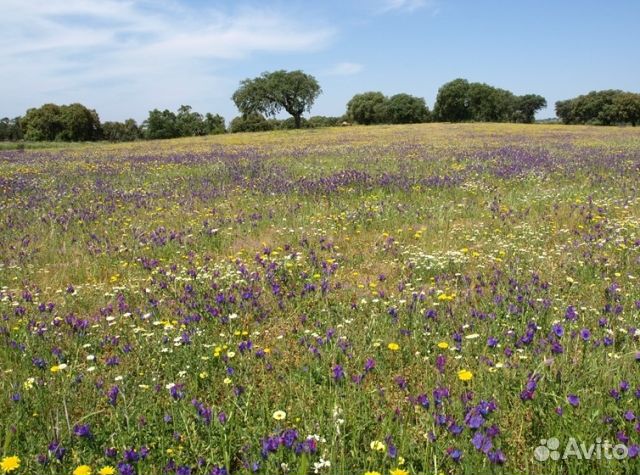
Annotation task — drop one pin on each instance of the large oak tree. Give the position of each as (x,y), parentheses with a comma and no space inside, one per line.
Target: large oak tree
(270,93)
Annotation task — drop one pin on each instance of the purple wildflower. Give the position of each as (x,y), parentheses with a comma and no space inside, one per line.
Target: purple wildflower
(338,373)
(82,430)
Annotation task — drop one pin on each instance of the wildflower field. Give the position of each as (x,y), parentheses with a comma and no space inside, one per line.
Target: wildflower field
(396,300)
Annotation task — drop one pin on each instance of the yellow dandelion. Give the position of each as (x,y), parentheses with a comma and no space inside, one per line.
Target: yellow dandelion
(107,470)
(465,375)
(393,346)
(279,415)
(82,470)
(9,464)
(398,471)
(372,473)
(443,345)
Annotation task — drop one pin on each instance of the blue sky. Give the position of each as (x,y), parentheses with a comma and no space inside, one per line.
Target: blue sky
(125,57)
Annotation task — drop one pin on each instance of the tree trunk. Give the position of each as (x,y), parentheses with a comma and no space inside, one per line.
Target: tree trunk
(298,120)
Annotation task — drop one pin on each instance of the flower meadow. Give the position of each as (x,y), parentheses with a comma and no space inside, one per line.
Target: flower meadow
(385,300)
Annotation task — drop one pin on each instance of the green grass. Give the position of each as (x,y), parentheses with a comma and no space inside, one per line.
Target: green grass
(165,259)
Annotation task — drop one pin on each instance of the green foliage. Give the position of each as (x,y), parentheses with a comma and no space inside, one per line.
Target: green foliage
(368,108)
(311,123)
(161,125)
(375,108)
(250,123)
(186,123)
(126,131)
(189,123)
(526,107)
(270,93)
(606,107)
(43,123)
(406,109)
(318,121)
(214,124)
(10,129)
(626,108)
(290,123)
(452,102)
(490,104)
(462,101)
(79,124)
(67,123)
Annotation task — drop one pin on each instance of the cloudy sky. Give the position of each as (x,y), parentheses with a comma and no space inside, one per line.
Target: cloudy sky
(125,57)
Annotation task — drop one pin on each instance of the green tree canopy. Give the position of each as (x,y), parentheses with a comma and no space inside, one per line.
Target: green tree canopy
(270,93)
(51,122)
(189,123)
(161,125)
(600,108)
(126,131)
(79,124)
(526,106)
(214,124)
(626,108)
(452,102)
(460,101)
(11,129)
(186,123)
(406,109)
(368,108)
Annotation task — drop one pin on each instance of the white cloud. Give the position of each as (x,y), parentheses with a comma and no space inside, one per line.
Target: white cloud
(124,55)
(344,69)
(405,5)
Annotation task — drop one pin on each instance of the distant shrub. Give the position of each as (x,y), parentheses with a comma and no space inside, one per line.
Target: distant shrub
(250,123)
(317,121)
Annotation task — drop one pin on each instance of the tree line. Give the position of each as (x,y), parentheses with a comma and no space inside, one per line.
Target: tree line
(608,107)
(261,99)
(77,123)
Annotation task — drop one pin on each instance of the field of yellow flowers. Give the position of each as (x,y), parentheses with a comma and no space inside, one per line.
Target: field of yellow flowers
(395,300)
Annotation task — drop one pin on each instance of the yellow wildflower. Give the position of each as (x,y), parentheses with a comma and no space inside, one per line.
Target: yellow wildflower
(378,446)
(465,375)
(9,464)
(82,470)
